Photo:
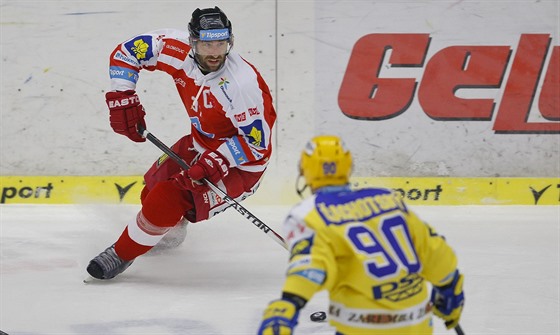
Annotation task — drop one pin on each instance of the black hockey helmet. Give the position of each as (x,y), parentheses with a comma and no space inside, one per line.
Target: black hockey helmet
(210,19)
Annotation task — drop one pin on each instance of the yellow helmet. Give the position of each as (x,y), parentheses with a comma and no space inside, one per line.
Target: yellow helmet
(325,161)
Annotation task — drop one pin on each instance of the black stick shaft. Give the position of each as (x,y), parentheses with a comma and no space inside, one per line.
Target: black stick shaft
(233,203)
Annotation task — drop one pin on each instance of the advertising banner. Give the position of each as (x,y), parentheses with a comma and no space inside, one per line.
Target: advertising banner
(434,88)
(416,191)
(71,189)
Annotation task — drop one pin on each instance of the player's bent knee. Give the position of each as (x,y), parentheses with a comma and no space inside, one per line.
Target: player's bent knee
(165,204)
(144,194)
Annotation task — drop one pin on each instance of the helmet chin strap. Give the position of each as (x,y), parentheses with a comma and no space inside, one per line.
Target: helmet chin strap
(298,189)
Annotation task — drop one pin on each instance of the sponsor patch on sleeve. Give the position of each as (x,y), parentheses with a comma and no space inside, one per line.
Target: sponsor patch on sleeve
(123,73)
(255,133)
(236,150)
(140,47)
(124,58)
(315,275)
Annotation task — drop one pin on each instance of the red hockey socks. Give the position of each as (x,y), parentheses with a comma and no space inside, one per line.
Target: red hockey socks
(162,208)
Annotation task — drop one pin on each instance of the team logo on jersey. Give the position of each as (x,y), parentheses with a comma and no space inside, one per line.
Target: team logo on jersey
(140,47)
(254,132)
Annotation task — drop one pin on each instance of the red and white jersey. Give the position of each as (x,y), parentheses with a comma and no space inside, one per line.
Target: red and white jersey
(230,110)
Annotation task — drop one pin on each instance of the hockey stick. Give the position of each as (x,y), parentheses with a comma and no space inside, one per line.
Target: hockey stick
(459,330)
(439,299)
(232,202)
(242,210)
(255,220)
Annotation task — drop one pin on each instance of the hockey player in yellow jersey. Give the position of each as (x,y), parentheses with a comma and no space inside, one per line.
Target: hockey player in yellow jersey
(376,258)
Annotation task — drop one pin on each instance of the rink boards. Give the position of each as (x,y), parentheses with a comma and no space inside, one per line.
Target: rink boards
(420,190)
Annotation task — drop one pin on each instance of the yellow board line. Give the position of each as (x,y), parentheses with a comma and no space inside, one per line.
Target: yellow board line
(417,190)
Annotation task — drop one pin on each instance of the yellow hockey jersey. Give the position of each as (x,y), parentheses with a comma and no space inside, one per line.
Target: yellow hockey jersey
(373,255)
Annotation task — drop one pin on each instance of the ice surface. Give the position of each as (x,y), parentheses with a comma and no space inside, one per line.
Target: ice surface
(221,278)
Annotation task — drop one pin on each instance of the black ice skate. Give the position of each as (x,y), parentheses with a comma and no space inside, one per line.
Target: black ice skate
(107,264)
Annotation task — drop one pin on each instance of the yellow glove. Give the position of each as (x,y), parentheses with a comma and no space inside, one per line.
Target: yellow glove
(279,318)
(448,301)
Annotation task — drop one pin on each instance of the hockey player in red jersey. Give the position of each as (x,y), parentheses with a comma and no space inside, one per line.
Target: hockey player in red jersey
(373,254)
(231,115)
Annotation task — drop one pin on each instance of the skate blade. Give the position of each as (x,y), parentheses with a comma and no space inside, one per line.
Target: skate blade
(92,280)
